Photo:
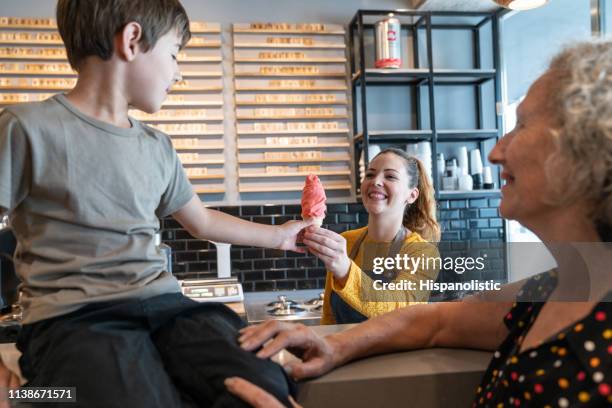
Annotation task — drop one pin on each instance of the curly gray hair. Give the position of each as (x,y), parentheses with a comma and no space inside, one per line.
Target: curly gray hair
(582,102)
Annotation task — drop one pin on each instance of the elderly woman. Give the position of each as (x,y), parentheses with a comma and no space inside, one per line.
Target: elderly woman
(557,164)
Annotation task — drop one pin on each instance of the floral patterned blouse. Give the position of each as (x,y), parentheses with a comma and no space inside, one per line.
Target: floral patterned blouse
(572,369)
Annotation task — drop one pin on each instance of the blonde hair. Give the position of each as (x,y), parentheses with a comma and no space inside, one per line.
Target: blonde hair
(419,216)
(581,101)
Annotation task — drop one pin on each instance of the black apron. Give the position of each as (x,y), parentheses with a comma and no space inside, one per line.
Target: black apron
(342,311)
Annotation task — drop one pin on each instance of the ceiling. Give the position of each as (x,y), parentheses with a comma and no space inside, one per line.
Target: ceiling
(454,5)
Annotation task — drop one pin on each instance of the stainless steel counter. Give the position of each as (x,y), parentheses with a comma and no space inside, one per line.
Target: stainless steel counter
(433,378)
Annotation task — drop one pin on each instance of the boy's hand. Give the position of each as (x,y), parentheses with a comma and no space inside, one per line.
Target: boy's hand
(253,395)
(291,233)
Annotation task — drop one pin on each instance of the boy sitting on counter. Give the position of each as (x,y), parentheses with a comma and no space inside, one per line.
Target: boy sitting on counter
(85,186)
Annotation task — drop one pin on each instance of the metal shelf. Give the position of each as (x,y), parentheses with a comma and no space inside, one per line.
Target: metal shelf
(463,76)
(459,194)
(395,136)
(451,135)
(422,81)
(411,76)
(395,76)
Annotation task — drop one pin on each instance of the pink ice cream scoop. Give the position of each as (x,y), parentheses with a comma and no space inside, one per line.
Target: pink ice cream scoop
(313,200)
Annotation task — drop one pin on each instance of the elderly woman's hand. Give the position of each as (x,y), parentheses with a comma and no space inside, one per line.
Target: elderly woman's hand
(330,248)
(317,353)
(253,395)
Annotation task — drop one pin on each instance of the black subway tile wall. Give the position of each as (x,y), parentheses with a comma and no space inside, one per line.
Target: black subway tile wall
(470,227)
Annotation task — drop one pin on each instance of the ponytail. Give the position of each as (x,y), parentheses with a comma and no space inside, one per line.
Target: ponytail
(419,216)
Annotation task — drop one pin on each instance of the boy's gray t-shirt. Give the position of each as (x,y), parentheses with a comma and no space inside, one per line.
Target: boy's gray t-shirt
(84,199)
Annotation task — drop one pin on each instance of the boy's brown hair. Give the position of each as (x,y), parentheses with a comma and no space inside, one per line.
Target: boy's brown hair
(88,27)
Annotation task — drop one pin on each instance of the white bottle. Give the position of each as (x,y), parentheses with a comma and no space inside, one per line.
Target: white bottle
(466,183)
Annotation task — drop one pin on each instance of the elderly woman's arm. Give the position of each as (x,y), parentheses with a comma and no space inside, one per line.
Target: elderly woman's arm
(467,324)
(476,322)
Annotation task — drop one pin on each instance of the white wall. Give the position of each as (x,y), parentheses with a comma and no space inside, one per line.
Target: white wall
(531,38)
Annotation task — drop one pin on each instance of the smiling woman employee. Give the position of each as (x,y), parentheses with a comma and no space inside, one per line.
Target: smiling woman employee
(402,221)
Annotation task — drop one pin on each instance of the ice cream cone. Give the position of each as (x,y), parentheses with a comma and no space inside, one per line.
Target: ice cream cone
(313,200)
(316,221)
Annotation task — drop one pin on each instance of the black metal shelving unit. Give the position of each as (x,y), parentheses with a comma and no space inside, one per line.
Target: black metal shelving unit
(425,79)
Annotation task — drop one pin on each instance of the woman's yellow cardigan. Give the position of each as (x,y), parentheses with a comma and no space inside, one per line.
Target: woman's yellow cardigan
(353,290)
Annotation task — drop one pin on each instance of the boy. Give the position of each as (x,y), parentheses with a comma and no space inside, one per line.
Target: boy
(84,185)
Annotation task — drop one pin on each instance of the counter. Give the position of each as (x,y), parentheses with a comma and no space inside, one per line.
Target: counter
(423,379)
(434,378)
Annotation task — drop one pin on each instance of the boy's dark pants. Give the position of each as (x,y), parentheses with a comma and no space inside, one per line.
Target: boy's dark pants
(166,351)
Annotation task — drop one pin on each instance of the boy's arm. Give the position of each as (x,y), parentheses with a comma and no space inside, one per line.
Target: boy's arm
(212,225)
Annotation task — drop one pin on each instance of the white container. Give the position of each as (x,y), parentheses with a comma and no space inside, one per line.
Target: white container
(466,183)
(475,161)
(462,157)
(487,177)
